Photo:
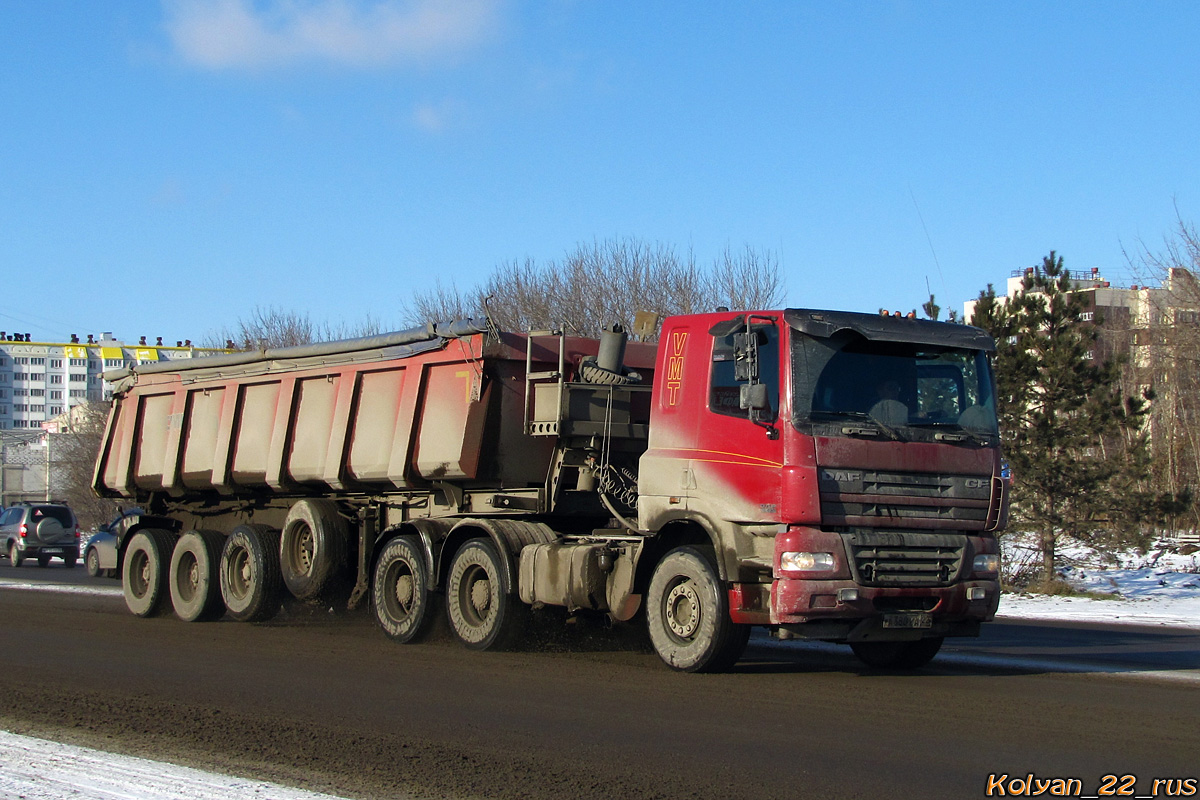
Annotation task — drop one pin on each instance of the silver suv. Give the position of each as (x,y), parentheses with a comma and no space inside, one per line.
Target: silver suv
(40,530)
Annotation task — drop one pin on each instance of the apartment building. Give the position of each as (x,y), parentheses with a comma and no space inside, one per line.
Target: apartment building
(41,380)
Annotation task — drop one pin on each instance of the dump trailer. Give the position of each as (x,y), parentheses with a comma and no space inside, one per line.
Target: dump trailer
(826,475)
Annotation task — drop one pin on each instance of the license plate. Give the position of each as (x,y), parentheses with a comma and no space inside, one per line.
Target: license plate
(51,551)
(908,620)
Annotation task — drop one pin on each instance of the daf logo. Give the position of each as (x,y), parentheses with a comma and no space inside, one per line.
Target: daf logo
(976,483)
(842,475)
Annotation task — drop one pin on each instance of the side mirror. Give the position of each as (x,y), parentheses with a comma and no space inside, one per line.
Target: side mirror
(753,397)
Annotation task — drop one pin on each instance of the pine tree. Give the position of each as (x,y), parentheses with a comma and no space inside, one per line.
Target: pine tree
(1074,443)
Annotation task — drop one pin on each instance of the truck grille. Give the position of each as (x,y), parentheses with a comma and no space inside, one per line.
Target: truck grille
(904,559)
(875,498)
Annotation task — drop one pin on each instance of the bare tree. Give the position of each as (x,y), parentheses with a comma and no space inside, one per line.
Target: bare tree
(1168,364)
(607,281)
(271,327)
(72,457)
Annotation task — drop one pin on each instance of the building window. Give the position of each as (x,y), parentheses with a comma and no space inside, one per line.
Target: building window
(93,365)
(37,376)
(1087,316)
(56,379)
(37,392)
(78,393)
(20,392)
(56,363)
(3,393)
(77,378)
(56,395)
(20,407)
(114,362)
(37,409)
(20,376)
(20,360)
(78,362)
(55,410)
(41,362)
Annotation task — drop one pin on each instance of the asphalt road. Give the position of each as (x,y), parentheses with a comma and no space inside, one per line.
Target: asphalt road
(320,699)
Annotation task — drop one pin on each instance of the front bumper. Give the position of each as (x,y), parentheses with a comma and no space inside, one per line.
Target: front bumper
(796,602)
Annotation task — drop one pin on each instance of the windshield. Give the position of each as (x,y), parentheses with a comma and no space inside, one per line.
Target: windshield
(893,384)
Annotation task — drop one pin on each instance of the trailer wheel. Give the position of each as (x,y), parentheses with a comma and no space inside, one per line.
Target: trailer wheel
(144,575)
(192,579)
(687,613)
(483,615)
(312,548)
(898,655)
(400,598)
(250,579)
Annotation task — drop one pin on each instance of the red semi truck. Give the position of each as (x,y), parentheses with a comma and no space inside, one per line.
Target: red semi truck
(826,475)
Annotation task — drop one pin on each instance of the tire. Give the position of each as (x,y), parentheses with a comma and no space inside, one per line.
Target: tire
(14,555)
(144,574)
(249,573)
(70,561)
(400,597)
(43,561)
(92,562)
(192,578)
(898,655)
(312,548)
(687,614)
(483,614)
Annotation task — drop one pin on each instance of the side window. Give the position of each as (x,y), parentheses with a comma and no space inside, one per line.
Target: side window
(9,516)
(724,396)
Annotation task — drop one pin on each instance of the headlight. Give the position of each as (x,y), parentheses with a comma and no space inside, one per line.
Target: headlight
(986,562)
(807,562)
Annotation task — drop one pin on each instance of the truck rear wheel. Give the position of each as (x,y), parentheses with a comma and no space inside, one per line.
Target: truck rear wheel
(400,598)
(483,614)
(898,655)
(687,614)
(192,579)
(144,575)
(250,579)
(312,548)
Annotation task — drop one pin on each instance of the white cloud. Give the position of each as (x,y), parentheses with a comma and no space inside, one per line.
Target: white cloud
(243,34)
(435,117)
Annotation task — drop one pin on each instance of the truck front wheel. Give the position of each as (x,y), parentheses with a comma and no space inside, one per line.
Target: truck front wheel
(144,575)
(483,614)
(687,613)
(399,595)
(250,579)
(898,655)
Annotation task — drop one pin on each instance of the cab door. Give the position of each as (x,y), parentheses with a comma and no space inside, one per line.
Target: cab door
(738,453)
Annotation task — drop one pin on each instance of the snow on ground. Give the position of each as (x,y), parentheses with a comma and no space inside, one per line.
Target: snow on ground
(37,769)
(1160,587)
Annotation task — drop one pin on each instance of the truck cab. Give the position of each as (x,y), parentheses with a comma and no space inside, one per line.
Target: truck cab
(846,468)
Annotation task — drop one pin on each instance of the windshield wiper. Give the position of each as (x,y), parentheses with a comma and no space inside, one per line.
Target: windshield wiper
(888,430)
(961,434)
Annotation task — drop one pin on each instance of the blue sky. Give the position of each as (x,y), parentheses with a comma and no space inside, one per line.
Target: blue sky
(167,167)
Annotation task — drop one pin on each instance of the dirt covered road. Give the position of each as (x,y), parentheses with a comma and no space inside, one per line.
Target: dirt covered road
(323,701)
